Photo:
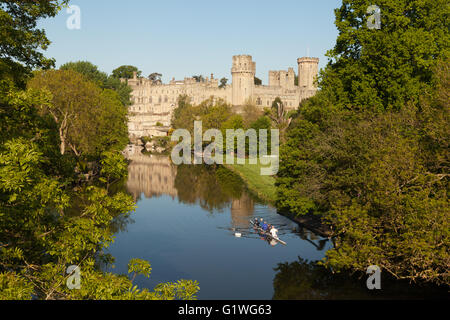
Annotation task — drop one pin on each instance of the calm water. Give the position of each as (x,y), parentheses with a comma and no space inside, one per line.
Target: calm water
(185,224)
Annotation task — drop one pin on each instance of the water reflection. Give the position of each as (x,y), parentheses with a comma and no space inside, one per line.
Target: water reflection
(152,176)
(304,280)
(185,225)
(213,188)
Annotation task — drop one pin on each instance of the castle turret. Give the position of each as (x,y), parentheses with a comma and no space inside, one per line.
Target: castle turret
(308,69)
(243,71)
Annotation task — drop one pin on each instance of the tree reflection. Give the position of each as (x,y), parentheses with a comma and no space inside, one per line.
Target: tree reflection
(213,188)
(303,280)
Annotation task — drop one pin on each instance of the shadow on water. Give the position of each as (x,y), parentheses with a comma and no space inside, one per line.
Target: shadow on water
(303,280)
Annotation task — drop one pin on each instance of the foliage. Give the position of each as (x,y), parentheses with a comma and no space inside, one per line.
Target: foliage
(258,81)
(88,70)
(155,77)
(114,167)
(380,180)
(369,152)
(71,108)
(223,83)
(102,80)
(21,43)
(199,78)
(126,72)
(49,220)
(280,117)
(384,69)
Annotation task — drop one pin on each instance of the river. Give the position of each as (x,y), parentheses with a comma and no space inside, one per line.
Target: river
(186,224)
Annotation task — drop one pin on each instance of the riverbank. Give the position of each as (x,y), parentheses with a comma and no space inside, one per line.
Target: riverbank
(261,186)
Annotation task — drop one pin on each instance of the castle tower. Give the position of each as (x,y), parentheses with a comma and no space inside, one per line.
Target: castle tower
(308,70)
(243,71)
(274,79)
(291,78)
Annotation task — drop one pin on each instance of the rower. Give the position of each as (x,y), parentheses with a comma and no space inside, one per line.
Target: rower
(256,223)
(274,232)
(265,226)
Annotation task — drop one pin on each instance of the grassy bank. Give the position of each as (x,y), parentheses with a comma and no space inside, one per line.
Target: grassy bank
(262,186)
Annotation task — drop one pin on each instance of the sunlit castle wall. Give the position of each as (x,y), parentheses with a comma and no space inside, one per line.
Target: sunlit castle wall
(153,103)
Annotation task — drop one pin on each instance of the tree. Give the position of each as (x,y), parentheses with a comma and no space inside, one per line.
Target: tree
(126,72)
(258,81)
(386,68)
(88,70)
(91,73)
(280,117)
(183,116)
(199,78)
(369,152)
(223,83)
(155,77)
(48,218)
(250,114)
(21,43)
(89,120)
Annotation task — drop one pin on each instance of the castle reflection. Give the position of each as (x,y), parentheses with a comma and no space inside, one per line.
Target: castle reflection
(213,188)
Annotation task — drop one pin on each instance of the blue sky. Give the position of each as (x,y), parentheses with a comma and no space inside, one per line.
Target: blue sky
(183,38)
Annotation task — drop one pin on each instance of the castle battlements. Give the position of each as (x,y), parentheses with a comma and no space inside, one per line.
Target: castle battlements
(154,102)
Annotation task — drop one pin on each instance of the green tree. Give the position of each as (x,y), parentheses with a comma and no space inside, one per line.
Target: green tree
(126,72)
(88,70)
(71,107)
(183,116)
(369,152)
(48,220)
(280,117)
(223,83)
(91,73)
(155,77)
(21,43)
(386,68)
(199,78)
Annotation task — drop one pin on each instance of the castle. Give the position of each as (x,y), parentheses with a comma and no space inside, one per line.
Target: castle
(153,103)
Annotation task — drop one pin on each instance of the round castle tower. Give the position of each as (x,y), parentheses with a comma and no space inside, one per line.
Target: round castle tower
(308,68)
(243,71)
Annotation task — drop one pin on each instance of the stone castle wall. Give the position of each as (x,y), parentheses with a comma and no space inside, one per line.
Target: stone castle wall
(153,103)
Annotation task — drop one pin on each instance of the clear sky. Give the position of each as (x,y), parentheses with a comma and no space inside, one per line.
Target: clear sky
(181,38)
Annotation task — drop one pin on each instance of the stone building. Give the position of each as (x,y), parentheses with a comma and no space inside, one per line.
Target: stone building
(153,103)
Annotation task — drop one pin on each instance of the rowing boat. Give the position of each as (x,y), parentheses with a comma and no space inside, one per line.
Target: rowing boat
(268,234)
